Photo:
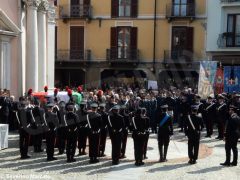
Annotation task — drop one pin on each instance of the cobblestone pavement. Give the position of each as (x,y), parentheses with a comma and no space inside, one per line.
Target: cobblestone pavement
(211,154)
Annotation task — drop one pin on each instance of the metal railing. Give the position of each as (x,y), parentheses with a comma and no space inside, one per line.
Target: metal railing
(229,1)
(75,11)
(73,55)
(177,56)
(123,55)
(180,10)
(228,39)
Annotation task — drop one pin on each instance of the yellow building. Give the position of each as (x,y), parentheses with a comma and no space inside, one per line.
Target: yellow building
(129,40)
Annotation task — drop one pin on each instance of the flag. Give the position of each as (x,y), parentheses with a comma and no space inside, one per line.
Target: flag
(231,79)
(219,83)
(207,76)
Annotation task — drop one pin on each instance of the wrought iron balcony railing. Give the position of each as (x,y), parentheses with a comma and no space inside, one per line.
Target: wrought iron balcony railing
(123,55)
(228,39)
(229,1)
(73,55)
(75,11)
(180,10)
(177,56)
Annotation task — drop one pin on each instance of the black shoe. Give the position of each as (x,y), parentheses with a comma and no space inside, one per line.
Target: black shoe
(225,164)
(115,162)
(194,162)
(51,159)
(181,130)
(145,157)
(103,155)
(161,160)
(25,157)
(123,157)
(141,163)
(208,136)
(60,153)
(217,137)
(233,163)
(190,161)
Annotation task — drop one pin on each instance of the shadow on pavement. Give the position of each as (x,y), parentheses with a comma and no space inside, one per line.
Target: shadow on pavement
(168,168)
(211,169)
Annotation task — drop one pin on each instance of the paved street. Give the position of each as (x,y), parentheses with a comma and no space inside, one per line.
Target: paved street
(211,154)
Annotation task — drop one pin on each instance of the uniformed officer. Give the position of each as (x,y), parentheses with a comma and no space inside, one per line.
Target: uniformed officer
(52,121)
(104,129)
(61,131)
(116,125)
(146,121)
(231,137)
(165,130)
(94,121)
(139,136)
(24,125)
(37,114)
(72,120)
(193,128)
(209,115)
(221,116)
(83,128)
(124,114)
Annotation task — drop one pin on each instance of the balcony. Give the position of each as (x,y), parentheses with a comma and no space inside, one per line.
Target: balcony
(73,55)
(75,12)
(230,3)
(180,11)
(177,56)
(228,40)
(123,55)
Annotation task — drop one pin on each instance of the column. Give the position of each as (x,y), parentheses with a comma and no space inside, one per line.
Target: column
(1,66)
(42,44)
(51,46)
(32,45)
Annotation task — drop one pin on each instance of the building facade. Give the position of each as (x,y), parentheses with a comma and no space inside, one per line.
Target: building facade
(223,31)
(27,32)
(129,41)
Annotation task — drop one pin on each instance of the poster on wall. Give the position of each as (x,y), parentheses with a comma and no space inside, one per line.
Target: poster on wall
(152,85)
(207,75)
(219,81)
(231,79)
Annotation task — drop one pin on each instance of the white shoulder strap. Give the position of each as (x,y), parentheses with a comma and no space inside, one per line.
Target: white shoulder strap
(134,124)
(32,116)
(109,120)
(64,118)
(190,120)
(44,117)
(17,117)
(89,122)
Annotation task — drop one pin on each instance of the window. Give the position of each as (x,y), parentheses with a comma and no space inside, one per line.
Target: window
(55,2)
(233,31)
(183,7)
(123,43)
(124,8)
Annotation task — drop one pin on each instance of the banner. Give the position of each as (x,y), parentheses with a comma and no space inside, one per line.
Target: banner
(207,76)
(152,85)
(231,79)
(219,81)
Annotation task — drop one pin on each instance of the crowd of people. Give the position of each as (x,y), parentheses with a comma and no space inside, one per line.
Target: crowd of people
(118,112)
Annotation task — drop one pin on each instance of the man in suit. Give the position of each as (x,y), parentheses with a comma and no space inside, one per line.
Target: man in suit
(193,128)
(231,137)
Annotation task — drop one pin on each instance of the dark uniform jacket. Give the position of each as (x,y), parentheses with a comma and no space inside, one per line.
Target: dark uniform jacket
(94,122)
(142,124)
(167,128)
(115,123)
(198,124)
(232,126)
(71,119)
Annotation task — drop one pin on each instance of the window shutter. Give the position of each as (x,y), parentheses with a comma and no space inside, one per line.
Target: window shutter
(134,8)
(86,2)
(113,50)
(133,45)
(134,32)
(114,8)
(190,39)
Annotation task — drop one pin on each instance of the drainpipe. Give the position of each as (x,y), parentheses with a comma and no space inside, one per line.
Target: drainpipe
(154,35)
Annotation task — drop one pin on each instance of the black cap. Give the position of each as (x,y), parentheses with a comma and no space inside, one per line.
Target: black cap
(102,105)
(123,106)
(50,105)
(94,105)
(83,102)
(233,107)
(198,96)
(116,107)
(194,107)
(220,96)
(164,106)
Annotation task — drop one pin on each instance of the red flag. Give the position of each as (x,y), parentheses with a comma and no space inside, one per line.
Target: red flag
(219,83)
